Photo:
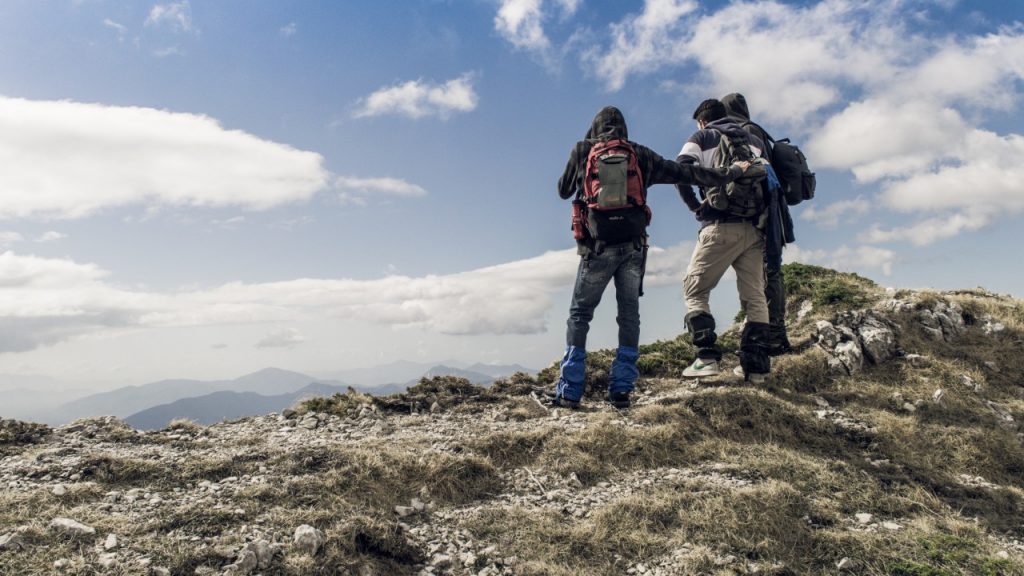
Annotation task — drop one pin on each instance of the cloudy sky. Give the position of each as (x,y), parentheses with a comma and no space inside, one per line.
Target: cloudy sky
(202,189)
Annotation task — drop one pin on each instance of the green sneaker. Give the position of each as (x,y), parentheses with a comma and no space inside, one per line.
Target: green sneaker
(701,368)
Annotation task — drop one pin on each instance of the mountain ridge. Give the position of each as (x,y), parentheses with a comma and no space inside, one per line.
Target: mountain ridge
(891,441)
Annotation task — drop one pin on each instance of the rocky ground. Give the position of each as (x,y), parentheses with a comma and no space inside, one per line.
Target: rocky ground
(889,443)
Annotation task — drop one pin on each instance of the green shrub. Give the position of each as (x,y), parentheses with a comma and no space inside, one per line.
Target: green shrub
(826,287)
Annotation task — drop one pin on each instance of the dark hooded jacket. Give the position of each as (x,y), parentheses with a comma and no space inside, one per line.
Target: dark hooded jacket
(779,227)
(608,124)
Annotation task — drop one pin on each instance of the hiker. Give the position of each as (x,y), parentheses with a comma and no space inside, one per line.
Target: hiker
(778,232)
(729,236)
(609,176)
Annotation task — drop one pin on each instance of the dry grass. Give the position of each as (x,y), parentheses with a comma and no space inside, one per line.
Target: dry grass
(772,480)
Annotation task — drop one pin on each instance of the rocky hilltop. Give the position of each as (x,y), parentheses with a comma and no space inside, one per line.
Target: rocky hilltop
(890,442)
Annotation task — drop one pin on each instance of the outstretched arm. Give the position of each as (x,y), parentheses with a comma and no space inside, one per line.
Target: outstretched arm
(570,179)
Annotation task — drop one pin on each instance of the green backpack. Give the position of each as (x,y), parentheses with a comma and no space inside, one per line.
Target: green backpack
(742,197)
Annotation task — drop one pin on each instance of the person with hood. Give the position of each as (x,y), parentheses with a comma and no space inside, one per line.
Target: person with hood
(725,239)
(623,262)
(778,232)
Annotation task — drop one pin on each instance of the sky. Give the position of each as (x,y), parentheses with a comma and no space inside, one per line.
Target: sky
(201,189)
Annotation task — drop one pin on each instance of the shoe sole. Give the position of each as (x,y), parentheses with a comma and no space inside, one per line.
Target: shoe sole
(699,374)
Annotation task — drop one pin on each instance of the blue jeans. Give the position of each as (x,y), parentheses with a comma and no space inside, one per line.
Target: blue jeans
(624,264)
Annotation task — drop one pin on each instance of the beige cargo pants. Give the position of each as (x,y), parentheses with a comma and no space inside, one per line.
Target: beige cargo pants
(720,245)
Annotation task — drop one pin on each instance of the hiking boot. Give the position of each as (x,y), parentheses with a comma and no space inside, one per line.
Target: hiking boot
(753,377)
(561,402)
(701,368)
(619,400)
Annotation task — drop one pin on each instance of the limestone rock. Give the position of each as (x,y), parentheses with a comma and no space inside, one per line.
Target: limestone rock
(308,539)
(71,527)
(877,339)
(12,541)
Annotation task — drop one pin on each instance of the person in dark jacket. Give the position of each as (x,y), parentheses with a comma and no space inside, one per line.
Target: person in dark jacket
(725,239)
(778,233)
(622,262)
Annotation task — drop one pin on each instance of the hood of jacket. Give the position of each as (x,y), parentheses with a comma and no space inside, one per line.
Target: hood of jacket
(729,127)
(736,106)
(608,124)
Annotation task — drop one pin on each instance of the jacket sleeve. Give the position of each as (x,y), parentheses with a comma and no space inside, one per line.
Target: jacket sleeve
(569,182)
(658,170)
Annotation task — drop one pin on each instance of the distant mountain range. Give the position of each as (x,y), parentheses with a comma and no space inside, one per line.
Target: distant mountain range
(406,371)
(154,405)
(225,405)
(128,400)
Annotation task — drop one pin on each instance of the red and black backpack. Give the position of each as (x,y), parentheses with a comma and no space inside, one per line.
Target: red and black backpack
(613,203)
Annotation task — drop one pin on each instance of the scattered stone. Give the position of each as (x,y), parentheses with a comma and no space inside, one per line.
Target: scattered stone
(12,541)
(61,563)
(917,360)
(308,539)
(245,563)
(844,564)
(404,511)
(107,560)
(938,395)
(263,551)
(1003,555)
(59,490)
(863,518)
(72,527)
(891,526)
(877,339)
(806,307)
(991,326)
(159,571)
(441,561)
(111,542)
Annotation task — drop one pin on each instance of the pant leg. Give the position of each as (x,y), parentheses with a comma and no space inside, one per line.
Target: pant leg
(593,275)
(716,249)
(750,281)
(572,374)
(624,371)
(775,294)
(749,266)
(627,295)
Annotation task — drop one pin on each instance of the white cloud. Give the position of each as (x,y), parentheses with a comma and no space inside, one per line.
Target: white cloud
(174,15)
(417,98)
(283,338)
(7,238)
(830,215)
(927,231)
(168,51)
(229,223)
(121,29)
(69,160)
(846,259)
(641,43)
(519,22)
(289,29)
(51,236)
(44,301)
(878,138)
(357,190)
